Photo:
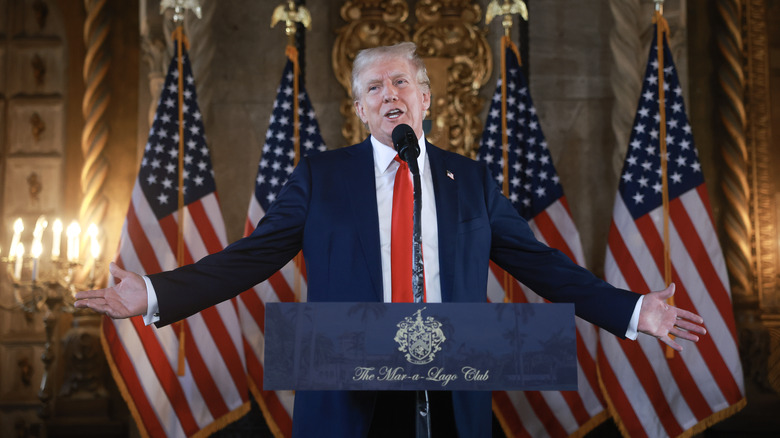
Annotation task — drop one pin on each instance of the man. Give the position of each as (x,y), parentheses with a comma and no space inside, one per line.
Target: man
(337,207)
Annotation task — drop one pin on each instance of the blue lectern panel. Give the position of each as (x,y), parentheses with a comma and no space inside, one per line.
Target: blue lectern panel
(442,346)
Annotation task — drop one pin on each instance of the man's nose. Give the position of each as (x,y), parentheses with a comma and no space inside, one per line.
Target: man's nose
(390,94)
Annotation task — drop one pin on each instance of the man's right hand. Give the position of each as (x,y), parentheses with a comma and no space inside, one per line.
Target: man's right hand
(125,299)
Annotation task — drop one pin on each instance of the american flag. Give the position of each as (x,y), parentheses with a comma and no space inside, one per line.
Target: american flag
(276,165)
(649,394)
(536,192)
(144,359)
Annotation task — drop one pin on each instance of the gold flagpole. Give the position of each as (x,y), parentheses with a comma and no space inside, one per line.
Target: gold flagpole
(662,28)
(507,9)
(179,6)
(292,14)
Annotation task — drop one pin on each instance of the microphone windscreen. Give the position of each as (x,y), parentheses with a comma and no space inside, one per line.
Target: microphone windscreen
(400,134)
(405,141)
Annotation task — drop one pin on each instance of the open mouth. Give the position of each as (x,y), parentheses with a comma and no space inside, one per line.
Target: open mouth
(394,114)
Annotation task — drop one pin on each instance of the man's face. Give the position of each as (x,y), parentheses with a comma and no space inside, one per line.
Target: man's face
(390,96)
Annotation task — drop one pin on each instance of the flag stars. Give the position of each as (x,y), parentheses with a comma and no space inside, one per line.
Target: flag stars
(638,198)
(652,79)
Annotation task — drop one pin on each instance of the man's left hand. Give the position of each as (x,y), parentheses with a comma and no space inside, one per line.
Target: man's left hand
(658,319)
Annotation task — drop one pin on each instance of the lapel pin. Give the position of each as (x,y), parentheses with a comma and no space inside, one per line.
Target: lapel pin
(450,175)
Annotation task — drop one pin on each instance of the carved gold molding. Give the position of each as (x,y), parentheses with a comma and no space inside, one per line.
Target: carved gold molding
(749,185)
(759,143)
(454,47)
(456,54)
(736,224)
(94,137)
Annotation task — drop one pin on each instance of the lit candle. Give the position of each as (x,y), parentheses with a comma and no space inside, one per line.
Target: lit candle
(72,233)
(18,228)
(19,254)
(56,230)
(40,227)
(36,250)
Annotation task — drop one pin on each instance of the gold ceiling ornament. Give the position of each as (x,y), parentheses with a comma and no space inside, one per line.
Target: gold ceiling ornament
(291,14)
(460,63)
(507,9)
(179,7)
(370,23)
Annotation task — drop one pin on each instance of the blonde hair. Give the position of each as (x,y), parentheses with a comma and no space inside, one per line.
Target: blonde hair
(406,50)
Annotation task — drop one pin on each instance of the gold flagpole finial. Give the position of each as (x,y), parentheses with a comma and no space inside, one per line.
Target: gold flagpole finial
(291,14)
(659,6)
(179,7)
(507,9)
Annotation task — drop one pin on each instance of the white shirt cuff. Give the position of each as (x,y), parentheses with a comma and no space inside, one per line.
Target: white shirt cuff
(632,331)
(152,314)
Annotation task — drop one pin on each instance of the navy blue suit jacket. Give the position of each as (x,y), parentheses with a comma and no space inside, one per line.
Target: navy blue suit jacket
(328,208)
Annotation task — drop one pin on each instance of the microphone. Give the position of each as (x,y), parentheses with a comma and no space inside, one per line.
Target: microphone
(405,143)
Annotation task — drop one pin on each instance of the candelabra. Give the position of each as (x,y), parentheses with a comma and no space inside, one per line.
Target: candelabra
(47,283)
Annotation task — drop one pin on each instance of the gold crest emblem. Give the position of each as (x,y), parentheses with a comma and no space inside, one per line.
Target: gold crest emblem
(419,339)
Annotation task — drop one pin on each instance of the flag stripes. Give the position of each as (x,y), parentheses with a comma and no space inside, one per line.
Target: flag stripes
(213,390)
(289,283)
(535,191)
(649,394)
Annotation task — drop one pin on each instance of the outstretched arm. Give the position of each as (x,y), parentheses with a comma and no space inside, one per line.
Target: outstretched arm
(658,319)
(125,299)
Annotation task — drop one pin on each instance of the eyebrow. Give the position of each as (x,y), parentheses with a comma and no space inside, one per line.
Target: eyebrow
(393,76)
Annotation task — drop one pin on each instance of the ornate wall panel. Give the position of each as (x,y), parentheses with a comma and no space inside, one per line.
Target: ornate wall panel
(449,38)
(22,372)
(456,54)
(33,87)
(36,126)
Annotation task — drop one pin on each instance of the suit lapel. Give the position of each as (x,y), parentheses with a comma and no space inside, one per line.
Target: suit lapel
(360,183)
(446,189)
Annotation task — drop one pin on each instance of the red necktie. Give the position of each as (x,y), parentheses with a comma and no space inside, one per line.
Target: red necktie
(401,234)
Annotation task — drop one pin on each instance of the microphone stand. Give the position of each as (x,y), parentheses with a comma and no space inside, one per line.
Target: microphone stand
(422,405)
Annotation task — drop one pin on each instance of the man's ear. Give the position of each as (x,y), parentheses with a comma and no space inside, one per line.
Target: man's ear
(426,101)
(359,111)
